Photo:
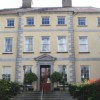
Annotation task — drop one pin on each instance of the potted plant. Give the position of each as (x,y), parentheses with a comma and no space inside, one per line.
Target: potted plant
(55,78)
(29,79)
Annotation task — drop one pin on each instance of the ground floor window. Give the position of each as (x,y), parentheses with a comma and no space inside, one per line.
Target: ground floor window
(63,71)
(6,73)
(84,73)
(28,69)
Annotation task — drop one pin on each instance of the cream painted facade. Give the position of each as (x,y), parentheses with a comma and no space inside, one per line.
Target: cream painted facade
(72,58)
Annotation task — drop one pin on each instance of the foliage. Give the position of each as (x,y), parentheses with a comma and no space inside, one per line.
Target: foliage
(8,89)
(89,91)
(30,77)
(56,77)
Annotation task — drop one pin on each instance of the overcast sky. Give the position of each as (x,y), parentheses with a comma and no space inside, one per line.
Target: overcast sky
(48,3)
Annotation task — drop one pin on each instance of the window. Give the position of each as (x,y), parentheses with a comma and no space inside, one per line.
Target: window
(81,21)
(28,69)
(30,21)
(83,44)
(6,73)
(45,46)
(98,21)
(8,45)
(62,44)
(84,73)
(45,21)
(63,71)
(28,46)
(10,22)
(61,20)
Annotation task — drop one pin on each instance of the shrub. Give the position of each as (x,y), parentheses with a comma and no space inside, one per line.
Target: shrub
(56,77)
(30,77)
(8,89)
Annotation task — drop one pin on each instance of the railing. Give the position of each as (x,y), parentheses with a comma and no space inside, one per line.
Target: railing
(42,93)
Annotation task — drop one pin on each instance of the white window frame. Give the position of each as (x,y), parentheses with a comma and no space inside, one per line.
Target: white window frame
(65,44)
(61,19)
(46,20)
(12,24)
(82,75)
(4,72)
(83,44)
(81,21)
(30,22)
(11,39)
(28,44)
(45,43)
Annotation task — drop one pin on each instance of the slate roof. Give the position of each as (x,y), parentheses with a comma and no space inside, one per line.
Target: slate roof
(51,9)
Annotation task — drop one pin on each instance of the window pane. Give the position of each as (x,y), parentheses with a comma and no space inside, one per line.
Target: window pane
(83,44)
(62,44)
(30,21)
(81,21)
(61,20)
(28,46)
(99,21)
(45,20)
(84,72)
(45,46)
(8,44)
(10,22)
(28,69)
(6,73)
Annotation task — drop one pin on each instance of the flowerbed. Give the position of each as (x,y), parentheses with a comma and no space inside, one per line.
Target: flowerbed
(89,91)
(8,89)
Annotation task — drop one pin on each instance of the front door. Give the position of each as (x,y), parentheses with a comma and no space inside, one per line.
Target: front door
(45,84)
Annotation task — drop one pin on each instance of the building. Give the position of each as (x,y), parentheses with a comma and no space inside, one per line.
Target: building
(50,39)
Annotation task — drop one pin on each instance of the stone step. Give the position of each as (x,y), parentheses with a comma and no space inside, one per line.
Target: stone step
(46,96)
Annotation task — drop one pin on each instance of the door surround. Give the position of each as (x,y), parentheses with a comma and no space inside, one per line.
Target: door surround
(44,60)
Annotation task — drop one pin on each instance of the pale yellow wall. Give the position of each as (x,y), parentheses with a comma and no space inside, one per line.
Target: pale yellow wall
(94,43)
(94,67)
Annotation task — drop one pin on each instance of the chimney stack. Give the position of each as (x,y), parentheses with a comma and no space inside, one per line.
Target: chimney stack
(67,3)
(26,3)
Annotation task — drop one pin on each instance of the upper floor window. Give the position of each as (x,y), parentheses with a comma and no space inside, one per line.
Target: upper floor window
(61,20)
(84,73)
(8,45)
(10,22)
(28,44)
(6,73)
(98,21)
(83,44)
(62,45)
(45,44)
(82,21)
(45,21)
(30,21)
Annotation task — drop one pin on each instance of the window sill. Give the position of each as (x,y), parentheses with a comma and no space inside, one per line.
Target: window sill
(27,52)
(46,25)
(62,52)
(84,52)
(28,25)
(82,26)
(45,52)
(61,25)
(9,27)
(7,53)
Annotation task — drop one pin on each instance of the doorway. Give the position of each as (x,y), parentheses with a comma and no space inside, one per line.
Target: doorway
(45,84)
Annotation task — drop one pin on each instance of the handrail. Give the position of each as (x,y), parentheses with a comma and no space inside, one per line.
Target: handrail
(42,93)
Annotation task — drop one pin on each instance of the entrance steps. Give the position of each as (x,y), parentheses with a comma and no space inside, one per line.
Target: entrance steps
(61,95)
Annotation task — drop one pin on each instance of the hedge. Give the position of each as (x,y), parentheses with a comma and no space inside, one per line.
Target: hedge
(8,89)
(85,91)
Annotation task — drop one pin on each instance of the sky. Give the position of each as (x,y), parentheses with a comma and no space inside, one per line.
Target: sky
(48,3)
